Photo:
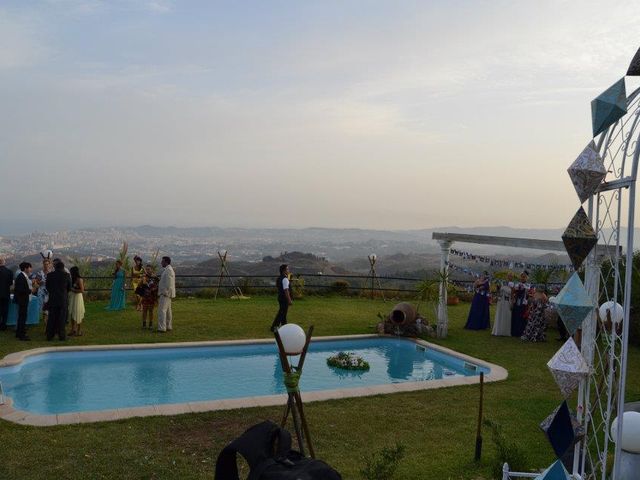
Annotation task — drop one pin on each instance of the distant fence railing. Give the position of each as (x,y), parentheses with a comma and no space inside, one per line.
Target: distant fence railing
(257,282)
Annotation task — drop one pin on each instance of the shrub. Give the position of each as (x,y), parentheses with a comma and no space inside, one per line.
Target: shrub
(204,292)
(506,451)
(382,465)
(297,287)
(341,287)
(245,286)
(465,296)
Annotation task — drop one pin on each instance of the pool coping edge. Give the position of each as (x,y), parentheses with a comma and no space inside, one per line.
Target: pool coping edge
(8,413)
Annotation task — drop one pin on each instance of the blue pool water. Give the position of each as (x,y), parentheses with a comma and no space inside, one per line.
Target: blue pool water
(63,382)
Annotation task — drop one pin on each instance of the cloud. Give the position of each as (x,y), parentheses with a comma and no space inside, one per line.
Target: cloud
(22,43)
(159,6)
(101,6)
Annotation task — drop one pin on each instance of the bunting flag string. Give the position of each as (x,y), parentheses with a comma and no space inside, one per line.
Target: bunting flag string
(468,285)
(465,270)
(510,264)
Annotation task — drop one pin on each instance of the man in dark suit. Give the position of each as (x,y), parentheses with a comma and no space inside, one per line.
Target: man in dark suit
(6,280)
(58,285)
(22,288)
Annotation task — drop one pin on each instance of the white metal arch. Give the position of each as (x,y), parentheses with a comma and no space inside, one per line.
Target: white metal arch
(601,397)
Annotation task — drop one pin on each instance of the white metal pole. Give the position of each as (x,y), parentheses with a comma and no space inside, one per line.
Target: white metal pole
(443,316)
(625,322)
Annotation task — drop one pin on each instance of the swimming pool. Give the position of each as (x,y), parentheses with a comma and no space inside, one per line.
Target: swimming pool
(99,379)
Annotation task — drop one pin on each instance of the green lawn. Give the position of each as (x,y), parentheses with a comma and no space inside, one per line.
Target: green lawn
(436,426)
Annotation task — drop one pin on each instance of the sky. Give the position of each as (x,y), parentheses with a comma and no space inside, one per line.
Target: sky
(366,114)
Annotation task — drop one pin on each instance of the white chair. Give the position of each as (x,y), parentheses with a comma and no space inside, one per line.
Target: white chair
(507,475)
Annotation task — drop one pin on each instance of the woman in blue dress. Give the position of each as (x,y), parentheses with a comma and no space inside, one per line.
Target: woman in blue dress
(118,293)
(478,318)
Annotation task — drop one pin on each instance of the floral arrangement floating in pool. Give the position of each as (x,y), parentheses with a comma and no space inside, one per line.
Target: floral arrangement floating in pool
(348,361)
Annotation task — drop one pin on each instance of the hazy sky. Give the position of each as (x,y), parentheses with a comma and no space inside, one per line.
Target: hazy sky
(382,114)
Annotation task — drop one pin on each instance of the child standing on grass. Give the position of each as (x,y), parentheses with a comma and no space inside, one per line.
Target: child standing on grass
(148,292)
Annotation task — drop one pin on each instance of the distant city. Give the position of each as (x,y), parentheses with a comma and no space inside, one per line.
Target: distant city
(408,250)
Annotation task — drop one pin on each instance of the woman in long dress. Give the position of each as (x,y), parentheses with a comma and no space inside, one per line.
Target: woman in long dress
(76,302)
(137,271)
(43,294)
(478,318)
(520,304)
(502,321)
(118,294)
(536,324)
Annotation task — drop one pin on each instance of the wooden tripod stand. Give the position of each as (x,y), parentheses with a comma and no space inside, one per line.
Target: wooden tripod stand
(372,277)
(224,271)
(294,400)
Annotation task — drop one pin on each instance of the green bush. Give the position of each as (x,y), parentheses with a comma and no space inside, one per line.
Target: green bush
(506,451)
(634,314)
(382,465)
(204,292)
(297,287)
(341,287)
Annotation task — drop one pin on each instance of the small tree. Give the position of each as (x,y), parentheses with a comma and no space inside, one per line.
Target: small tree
(429,290)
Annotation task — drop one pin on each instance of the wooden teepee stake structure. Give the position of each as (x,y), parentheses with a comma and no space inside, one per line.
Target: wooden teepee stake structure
(372,277)
(224,272)
(294,400)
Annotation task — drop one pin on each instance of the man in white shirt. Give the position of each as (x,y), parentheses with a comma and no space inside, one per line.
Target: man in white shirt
(284,297)
(166,291)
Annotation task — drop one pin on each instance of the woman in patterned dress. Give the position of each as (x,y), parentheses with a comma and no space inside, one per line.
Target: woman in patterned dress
(536,326)
(41,282)
(137,271)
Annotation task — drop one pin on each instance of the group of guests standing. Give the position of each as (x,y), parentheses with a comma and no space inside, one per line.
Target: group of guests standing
(520,309)
(59,292)
(149,289)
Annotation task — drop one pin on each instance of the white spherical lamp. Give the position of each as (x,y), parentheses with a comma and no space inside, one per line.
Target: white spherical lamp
(615,310)
(630,431)
(293,338)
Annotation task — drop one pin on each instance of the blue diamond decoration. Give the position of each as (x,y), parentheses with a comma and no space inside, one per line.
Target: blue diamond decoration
(634,66)
(573,303)
(560,429)
(555,472)
(608,107)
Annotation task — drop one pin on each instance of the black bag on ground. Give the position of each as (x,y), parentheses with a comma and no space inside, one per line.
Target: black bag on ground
(267,449)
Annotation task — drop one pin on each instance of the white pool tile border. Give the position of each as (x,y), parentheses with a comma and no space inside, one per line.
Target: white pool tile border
(8,413)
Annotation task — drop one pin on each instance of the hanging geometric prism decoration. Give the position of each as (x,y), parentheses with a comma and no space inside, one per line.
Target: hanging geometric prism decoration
(608,107)
(562,429)
(634,66)
(554,472)
(573,303)
(587,172)
(568,367)
(579,238)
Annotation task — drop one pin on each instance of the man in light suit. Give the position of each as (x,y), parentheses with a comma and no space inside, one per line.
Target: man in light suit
(166,291)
